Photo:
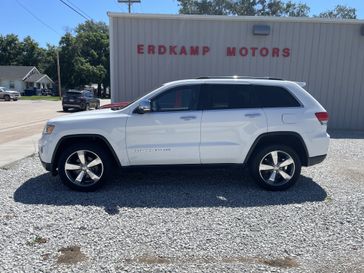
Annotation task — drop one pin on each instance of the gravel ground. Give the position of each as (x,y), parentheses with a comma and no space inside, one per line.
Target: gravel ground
(180,220)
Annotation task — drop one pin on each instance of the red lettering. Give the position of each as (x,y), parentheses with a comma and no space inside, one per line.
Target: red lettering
(264,51)
(162,50)
(172,50)
(275,52)
(205,50)
(253,49)
(151,49)
(183,51)
(140,49)
(230,51)
(286,52)
(194,50)
(243,51)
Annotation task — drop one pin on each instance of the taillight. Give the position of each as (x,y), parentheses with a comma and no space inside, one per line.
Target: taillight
(323,117)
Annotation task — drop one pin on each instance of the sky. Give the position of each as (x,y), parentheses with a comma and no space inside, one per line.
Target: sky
(56,18)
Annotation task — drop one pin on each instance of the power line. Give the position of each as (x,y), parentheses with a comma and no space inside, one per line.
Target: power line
(37,18)
(72,8)
(80,10)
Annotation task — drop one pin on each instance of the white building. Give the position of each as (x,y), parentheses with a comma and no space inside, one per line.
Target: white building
(147,50)
(18,78)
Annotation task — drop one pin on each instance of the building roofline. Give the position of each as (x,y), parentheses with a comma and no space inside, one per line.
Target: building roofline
(30,72)
(45,75)
(235,18)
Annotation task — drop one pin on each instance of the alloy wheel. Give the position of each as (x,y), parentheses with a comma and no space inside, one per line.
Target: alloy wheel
(84,168)
(277,168)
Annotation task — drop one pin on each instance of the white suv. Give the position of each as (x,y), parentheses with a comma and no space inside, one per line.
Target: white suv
(273,126)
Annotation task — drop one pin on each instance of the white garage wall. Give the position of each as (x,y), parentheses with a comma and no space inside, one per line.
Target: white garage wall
(327,54)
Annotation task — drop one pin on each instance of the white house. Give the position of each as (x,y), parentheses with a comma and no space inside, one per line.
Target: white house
(18,78)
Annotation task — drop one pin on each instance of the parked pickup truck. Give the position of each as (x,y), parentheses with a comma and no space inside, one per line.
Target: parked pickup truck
(8,94)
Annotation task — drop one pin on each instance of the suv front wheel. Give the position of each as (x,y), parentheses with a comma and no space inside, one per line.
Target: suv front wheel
(84,167)
(276,167)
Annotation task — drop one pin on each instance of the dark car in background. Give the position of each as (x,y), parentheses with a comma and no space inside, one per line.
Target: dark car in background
(82,100)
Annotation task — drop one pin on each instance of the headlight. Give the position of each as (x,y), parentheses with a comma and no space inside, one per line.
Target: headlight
(48,129)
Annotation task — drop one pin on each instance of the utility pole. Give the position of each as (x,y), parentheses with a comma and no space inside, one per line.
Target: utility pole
(129,2)
(59,76)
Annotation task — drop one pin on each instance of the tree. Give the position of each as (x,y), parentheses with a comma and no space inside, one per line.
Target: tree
(244,7)
(340,12)
(296,9)
(217,7)
(49,62)
(10,49)
(31,53)
(93,42)
(68,53)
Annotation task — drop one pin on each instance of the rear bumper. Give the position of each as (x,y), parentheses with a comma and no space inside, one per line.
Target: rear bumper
(71,105)
(315,160)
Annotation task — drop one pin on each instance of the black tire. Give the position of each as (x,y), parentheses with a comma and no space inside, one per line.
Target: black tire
(83,106)
(97,106)
(101,170)
(15,99)
(65,109)
(7,98)
(263,159)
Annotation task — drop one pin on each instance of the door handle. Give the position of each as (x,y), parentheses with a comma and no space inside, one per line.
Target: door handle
(187,117)
(252,115)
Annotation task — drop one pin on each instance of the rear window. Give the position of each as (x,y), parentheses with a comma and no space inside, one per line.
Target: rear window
(73,94)
(273,96)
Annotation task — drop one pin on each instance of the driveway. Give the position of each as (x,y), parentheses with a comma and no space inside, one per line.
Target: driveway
(21,125)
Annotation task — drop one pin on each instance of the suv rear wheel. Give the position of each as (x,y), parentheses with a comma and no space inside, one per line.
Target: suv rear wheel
(84,167)
(7,98)
(276,167)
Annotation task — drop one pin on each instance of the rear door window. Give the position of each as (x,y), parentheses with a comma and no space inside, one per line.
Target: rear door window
(226,96)
(273,96)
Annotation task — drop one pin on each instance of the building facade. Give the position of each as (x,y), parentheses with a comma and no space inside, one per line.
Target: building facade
(148,50)
(19,78)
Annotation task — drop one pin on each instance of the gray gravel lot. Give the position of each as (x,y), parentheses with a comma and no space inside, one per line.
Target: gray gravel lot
(187,220)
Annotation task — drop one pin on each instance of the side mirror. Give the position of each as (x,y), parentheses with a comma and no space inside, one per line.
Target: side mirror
(144,107)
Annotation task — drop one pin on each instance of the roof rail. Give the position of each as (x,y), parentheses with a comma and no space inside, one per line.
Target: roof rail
(239,77)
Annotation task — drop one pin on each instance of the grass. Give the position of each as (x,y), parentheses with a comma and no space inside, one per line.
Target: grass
(51,98)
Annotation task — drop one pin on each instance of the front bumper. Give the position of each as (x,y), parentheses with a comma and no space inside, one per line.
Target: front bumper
(47,166)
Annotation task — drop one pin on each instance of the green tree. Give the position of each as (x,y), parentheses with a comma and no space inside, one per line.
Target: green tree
(69,51)
(216,7)
(49,62)
(31,53)
(93,41)
(84,56)
(340,12)
(243,7)
(10,49)
(296,9)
